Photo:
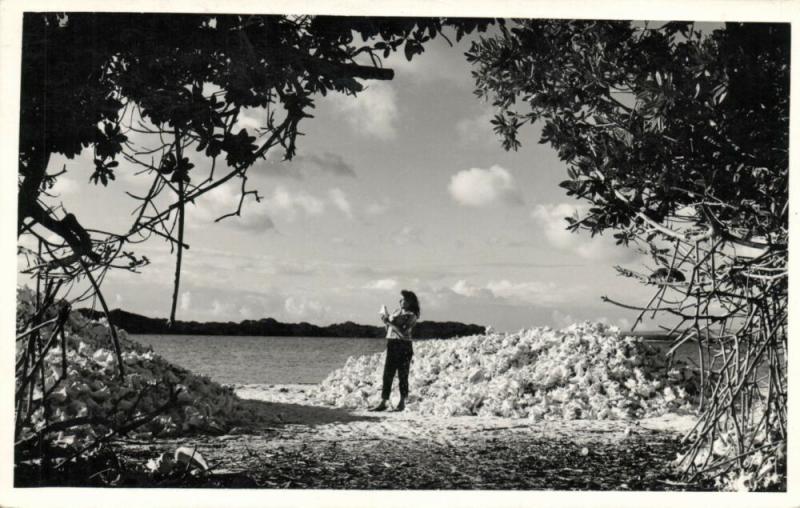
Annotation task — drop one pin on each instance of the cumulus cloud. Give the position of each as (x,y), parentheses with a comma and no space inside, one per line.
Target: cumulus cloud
(300,307)
(249,119)
(474,303)
(340,201)
(224,199)
(329,163)
(481,187)
(381,284)
(289,204)
(301,165)
(528,292)
(282,202)
(551,218)
(373,112)
(464,288)
(532,292)
(563,320)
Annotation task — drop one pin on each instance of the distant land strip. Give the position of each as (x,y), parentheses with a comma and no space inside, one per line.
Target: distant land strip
(269,327)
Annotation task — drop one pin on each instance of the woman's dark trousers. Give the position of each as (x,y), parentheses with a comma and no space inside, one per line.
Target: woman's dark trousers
(398,358)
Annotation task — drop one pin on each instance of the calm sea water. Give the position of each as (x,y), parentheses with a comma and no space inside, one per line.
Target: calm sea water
(262,360)
(273,360)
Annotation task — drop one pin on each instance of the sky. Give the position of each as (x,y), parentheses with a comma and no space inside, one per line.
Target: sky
(402,187)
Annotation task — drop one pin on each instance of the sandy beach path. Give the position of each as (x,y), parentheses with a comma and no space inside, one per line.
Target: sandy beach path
(307,446)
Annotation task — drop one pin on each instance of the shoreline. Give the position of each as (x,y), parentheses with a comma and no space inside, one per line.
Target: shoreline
(269,327)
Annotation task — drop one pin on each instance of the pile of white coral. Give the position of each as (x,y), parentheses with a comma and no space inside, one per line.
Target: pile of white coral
(93,390)
(585,371)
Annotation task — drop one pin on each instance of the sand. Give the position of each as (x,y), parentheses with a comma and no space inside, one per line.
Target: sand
(296,411)
(309,446)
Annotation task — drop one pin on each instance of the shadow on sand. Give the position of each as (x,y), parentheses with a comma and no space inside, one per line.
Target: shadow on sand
(282,413)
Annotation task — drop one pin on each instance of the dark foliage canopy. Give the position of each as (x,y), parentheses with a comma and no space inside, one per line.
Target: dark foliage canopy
(679,141)
(189,75)
(651,120)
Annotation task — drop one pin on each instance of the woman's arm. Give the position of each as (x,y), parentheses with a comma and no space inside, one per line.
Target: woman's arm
(387,320)
(403,321)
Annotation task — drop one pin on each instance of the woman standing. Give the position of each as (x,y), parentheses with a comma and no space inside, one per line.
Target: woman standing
(398,348)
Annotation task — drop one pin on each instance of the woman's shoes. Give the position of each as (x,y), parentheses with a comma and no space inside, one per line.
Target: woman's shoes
(382,406)
(379,407)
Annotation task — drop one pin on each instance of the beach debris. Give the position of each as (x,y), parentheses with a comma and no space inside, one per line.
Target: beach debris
(760,470)
(190,457)
(184,460)
(584,371)
(467,461)
(584,451)
(163,464)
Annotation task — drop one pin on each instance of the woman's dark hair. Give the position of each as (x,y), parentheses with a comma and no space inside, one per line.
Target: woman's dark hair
(411,299)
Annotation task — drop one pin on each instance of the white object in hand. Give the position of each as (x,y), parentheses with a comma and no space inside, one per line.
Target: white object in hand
(384,310)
